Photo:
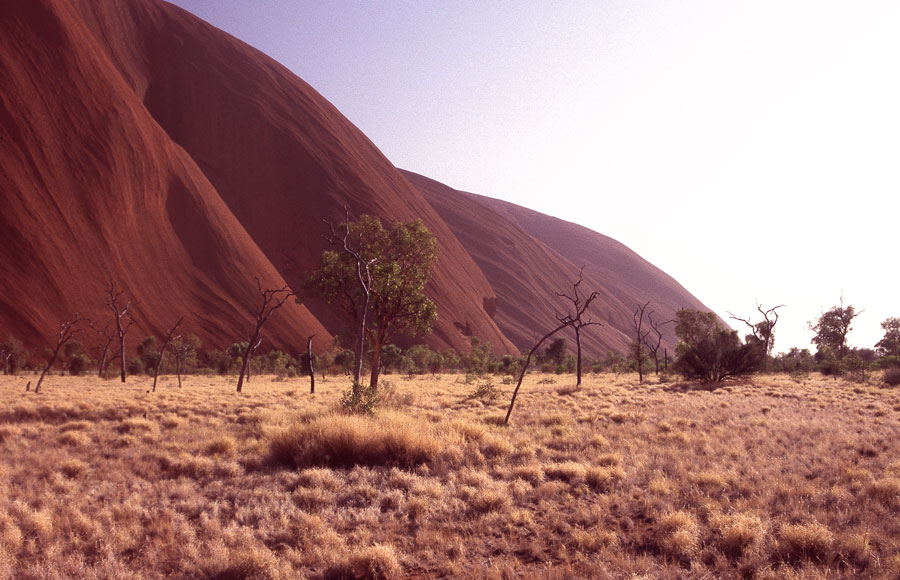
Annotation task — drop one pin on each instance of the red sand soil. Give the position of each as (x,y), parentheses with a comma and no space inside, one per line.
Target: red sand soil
(139,142)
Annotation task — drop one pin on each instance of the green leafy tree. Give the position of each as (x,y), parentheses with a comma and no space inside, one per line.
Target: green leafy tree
(378,279)
(148,353)
(424,359)
(889,345)
(480,356)
(556,352)
(832,328)
(391,358)
(12,355)
(74,351)
(709,352)
(763,332)
(185,350)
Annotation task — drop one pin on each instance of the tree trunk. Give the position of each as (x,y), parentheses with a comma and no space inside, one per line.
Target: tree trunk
(162,351)
(578,348)
(376,361)
(360,343)
(312,372)
(244,362)
(512,402)
(37,387)
(122,356)
(102,362)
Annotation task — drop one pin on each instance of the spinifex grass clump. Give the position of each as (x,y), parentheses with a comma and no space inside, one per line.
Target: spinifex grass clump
(347,440)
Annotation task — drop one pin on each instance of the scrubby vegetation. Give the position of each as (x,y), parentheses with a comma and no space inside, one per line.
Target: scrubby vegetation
(767,477)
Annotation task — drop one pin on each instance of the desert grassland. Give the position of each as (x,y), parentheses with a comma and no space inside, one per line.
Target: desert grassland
(766,478)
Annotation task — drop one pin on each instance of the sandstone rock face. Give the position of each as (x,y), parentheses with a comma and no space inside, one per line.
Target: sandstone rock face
(138,143)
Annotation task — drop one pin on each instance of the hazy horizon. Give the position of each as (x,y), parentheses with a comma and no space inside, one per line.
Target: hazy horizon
(748,150)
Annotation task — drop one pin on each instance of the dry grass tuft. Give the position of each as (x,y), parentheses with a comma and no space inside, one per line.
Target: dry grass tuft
(348,440)
(222,445)
(570,472)
(249,565)
(73,467)
(738,534)
(885,490)
(603,478)
(678,534)
(378,562)
(810,541)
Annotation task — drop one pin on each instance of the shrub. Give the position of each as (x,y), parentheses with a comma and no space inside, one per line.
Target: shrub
(486,392)
(709,352)
(134,366)
(892,377)
(360,400)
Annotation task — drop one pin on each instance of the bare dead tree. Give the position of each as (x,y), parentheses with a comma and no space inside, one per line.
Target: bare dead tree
(653,346)
(763,331)
(364,279)
(640,339)
(253,349)
(533,350)
(309,359)
(5,354)
(67,331)
(122,318)
(272,300)
(574,317)
(182,349)
(170,335)
(107,336)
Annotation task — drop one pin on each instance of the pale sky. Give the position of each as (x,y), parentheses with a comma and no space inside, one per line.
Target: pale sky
(750,149)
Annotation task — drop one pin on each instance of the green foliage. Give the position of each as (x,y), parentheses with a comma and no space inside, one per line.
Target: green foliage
(12,355)
(556,352)
(186,350)
(794,361)
(613,363)
(134,366)
(451,359)
(892,376)
(148,354)
(345,360)
(401,257)
(889,345)
(424,359)
(709,352)
(857,366)
(480,357)
(391,358)
(511,365)
(832,327)
(74,351)
(485,392)
(360,400)
(282,365)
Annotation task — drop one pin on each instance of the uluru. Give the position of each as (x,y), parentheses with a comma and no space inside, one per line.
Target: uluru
(140,144)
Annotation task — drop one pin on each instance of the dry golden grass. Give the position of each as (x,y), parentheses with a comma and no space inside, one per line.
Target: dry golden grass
(765,478)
